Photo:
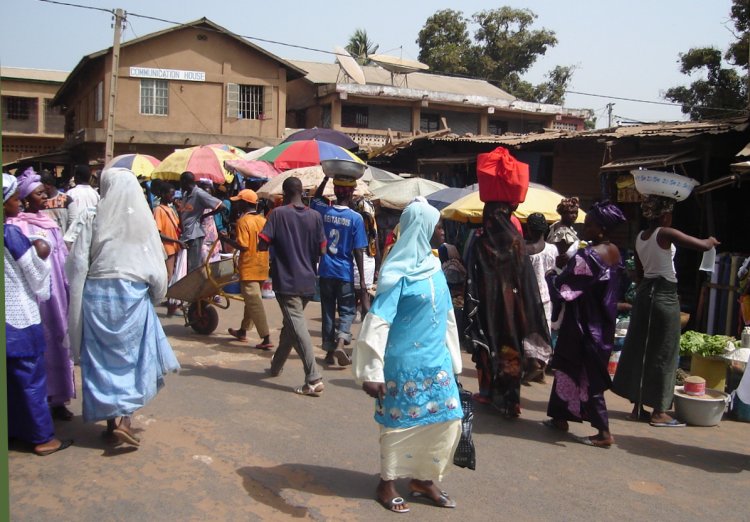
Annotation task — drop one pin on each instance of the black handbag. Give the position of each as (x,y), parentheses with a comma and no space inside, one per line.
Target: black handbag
(466,455)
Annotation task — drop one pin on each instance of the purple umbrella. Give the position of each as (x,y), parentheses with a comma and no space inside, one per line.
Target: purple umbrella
(328,135)
(252,168)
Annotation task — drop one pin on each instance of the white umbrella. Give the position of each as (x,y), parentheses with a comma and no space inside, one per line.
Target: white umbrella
(255,154)
(398,194)
(376,174)
(310,178)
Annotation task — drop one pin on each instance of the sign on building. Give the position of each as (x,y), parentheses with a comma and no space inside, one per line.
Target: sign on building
(167,74)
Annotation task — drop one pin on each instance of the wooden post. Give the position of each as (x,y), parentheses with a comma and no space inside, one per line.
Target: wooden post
(110,142)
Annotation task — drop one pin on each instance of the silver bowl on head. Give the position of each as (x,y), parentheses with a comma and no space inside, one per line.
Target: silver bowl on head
(341,168)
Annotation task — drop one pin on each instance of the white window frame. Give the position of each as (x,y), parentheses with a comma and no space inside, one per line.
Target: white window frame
(148,100)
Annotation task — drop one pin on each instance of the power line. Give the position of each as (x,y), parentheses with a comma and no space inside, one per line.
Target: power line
(307,48)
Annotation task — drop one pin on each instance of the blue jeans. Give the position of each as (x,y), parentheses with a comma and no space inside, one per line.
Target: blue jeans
(336,293)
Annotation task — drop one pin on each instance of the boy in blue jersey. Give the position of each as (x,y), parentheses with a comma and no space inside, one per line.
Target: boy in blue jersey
(346,241)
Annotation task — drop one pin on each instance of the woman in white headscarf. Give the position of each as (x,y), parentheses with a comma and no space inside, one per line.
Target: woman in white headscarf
(116,271)
(406,357)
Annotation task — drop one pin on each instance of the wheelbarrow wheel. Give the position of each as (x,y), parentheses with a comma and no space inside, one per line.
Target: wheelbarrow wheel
(203,318)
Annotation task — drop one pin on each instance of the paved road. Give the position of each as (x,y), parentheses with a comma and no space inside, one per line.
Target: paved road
(223,441)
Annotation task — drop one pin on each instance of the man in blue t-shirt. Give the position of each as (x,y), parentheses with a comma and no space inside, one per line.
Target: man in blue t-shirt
(346,241)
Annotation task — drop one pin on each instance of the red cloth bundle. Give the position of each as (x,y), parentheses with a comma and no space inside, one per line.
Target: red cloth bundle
(502,177)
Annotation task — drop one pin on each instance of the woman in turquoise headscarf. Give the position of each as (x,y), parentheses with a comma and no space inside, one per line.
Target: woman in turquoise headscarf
(406,357)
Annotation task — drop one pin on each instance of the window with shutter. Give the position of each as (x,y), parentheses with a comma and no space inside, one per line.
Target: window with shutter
(233,100)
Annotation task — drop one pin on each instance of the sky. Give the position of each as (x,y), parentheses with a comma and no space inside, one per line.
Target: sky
(625,49)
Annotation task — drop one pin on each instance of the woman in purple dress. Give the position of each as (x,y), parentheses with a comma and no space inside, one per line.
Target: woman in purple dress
(589,286)
(36,223)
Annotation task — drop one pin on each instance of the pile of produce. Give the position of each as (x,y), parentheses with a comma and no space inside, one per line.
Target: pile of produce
(696,343)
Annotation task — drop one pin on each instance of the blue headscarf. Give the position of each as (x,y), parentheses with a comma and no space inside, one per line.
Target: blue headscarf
(411,256)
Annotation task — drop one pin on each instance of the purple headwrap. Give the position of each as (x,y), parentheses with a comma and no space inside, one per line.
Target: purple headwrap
(27,182)
(607,214)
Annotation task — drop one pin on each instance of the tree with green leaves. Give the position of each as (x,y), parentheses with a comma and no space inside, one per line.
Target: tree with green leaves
(722,90)
(360,47)
(504,47)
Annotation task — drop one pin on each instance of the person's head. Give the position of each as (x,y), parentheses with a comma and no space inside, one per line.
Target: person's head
(495,212)
(11,201)
(343,188)
(657,210)
(167,193)
(568,210)
(536,226)
(82,175)
(31,190)
(438,236)
(246,200)
(292,189)
(601,219)
(419,214)
(207,185)
(50,183)
(187,181)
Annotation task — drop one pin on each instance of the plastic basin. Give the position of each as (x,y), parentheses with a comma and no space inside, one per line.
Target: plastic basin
(700,411)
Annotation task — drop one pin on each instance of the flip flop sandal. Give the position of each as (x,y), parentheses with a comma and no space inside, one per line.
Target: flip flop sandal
(126,437)
(237,335)
(264,346)
(341,357)
(391,505)
(443,501)
(588,441)
(674,423)
(313,390)
(63,445)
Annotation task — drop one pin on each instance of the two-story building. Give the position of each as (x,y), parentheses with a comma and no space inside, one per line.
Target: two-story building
(192,84)
(31,126)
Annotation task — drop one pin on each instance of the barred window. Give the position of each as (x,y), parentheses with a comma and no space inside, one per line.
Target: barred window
(429,122)
(249,102)
(18,108)
(154,97)
(355,116)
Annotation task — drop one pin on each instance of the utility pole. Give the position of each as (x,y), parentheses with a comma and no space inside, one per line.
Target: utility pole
(110,143)
(609,114)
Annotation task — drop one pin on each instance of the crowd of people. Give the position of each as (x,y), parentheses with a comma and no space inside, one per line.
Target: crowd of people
(89,267)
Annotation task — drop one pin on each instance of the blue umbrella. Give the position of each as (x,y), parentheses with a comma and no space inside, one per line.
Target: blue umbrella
(443,198)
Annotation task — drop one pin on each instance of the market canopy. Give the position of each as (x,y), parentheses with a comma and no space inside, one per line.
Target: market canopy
(310,178)
(539,198)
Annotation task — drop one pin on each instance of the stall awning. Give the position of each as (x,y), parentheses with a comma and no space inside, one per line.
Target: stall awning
(658,160)
(60,157)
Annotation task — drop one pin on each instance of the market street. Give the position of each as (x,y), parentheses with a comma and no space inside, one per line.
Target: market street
(224,441)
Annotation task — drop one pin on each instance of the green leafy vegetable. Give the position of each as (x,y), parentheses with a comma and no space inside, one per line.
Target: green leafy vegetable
(692,342)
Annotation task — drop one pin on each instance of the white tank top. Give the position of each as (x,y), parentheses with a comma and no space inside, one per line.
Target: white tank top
(656,261)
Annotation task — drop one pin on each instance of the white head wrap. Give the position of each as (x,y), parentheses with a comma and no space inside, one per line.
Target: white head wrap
(10,185)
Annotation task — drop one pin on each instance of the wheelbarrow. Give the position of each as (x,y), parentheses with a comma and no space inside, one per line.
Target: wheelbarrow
(201,292)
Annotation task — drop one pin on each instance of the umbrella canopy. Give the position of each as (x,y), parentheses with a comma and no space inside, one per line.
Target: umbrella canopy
(257,153)
(398,194)
(311,178)
(305,153)
(203,161)
(228,148)
(142,165)
(539,198)
(327,135)
(443,198)
(374,173)
(252,168)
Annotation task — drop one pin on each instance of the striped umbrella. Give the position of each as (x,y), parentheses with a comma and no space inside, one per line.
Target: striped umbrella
(305,153)
(203,161)
(142,165)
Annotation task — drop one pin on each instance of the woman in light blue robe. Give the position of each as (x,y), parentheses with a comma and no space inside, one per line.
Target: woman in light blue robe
(116,271)
(406,357)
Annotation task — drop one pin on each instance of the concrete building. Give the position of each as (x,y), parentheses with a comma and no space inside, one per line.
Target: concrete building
(193,84)
(31,126)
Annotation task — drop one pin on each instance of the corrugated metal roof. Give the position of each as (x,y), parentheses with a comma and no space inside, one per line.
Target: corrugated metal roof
(36,75)
(683,129)
(327,73)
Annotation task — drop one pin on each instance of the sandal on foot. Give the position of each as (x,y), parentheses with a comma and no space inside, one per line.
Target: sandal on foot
(597,443)
(61,413)
(341,357)
(674,423)
(264,346)
(313,390)
(126,437)
(443,501)
(394,504)
(237,334)
(63,445)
